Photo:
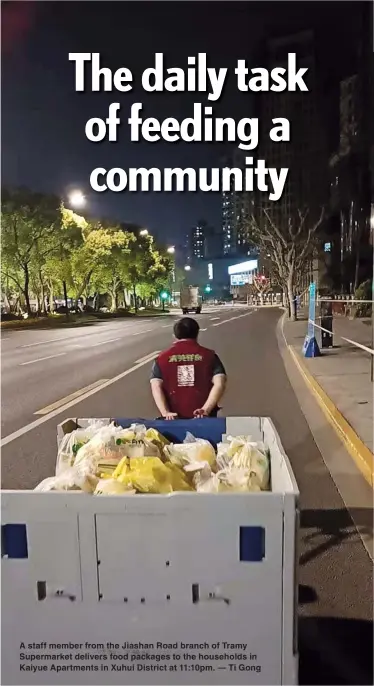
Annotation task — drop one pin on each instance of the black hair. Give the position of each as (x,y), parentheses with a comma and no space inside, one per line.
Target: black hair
(186,328)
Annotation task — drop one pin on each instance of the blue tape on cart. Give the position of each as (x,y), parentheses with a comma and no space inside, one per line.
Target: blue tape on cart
(14,541)
(251,544)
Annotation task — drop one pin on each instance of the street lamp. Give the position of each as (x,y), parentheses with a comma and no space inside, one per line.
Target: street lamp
(171,250)
(77,199)
(187,268)
(143,232)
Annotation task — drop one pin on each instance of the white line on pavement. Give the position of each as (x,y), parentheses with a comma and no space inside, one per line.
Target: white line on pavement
(51,340)
(148,357)
(40,359)
(140,332)
(63,401)
(37,422)
(111,340)
(203,329)
(213,319)
(166,326)
(225,321)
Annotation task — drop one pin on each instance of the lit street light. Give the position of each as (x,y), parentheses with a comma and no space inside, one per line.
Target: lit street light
(77,199)
(187,268)
(143,232)
(171,250)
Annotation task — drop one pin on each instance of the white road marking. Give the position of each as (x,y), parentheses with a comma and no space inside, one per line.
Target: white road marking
(64,401)
(40,359)
(213,319)
(37,422)
(166,326)
(111,340)
(233,318)
(140,332)
(51,340)
(203,329)
(148,357)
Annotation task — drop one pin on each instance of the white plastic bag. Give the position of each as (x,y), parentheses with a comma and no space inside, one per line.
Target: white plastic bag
(72,442)
(72,479)
(192,450)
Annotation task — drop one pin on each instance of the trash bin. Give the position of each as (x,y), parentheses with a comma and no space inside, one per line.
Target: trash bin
(326,323)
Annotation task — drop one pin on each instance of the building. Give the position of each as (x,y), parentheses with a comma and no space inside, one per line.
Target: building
(197,240)
(205,242)
(306,154)
(236,210)
(349,256)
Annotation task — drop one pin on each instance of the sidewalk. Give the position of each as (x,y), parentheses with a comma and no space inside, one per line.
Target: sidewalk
(343,375)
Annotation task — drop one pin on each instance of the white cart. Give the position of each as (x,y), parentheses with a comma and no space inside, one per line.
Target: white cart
(185,588)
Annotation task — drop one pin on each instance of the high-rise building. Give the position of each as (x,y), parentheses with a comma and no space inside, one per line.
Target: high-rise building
(236,209)
(305,154)
(198,239)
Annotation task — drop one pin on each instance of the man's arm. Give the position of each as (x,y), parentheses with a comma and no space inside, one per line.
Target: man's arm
(219,381)
(158,393)
(219,386)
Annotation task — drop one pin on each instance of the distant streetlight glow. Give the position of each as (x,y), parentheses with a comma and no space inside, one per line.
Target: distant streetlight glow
(144,232)
(187,268)
(77,199)
(171,250)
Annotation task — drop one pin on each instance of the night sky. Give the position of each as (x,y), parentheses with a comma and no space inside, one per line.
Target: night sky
(43,118)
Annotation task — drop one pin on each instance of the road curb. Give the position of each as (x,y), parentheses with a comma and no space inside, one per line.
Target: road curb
(357,449)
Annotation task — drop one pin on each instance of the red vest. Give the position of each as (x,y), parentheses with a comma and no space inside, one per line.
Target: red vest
(187,371)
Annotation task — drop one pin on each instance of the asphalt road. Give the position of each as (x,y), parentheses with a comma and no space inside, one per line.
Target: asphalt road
(336,582)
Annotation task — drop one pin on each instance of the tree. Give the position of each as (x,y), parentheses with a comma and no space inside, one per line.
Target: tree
(290,246)
(29,221)
(146,265)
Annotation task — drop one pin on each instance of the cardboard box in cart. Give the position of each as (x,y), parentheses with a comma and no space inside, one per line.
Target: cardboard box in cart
(185,588)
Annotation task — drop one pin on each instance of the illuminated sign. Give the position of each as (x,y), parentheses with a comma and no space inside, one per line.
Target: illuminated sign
(243,267)
(327,247)
(210,271)
(241,279)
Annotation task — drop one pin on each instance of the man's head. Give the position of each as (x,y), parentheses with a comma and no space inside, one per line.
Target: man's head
(186,328)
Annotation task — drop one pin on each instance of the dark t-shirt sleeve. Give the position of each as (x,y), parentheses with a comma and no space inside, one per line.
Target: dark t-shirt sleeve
(218,367)
(156,371)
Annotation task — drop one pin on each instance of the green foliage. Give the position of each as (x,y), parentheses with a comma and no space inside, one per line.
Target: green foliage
(45,245)
(364,292)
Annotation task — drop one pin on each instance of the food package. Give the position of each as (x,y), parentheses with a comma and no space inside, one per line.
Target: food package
(102,451)
(72,442)
(112,487)
(69,480)
(151,475)
(137,441)
(191,451)
(240,453)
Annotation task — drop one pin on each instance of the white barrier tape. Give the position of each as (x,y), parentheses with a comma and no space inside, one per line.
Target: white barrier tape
(330,300)
(358,345)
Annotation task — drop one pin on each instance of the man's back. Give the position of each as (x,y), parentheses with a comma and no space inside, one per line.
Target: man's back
(186,372)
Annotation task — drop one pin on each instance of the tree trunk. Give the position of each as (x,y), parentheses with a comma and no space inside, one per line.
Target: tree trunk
(26,288)
(291,299)
(135,299)
(66,297)
(113,301)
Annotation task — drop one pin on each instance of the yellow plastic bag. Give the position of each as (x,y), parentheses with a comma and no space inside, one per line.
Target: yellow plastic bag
(112,487)
(151,475)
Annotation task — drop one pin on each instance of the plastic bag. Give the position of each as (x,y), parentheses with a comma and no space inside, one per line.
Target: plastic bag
(72,442)
(113,487)
(70,480)
(151,475)
(140,442)
(191,451)
(240,454)
(102,451)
